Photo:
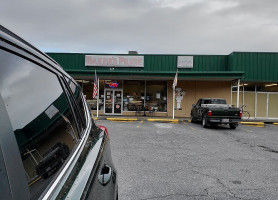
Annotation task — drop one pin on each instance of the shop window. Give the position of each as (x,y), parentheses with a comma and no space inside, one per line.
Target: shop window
(250,87)
(267,87)
(234,99)
(156,95)
(88,88)
(273,106)
(133,94)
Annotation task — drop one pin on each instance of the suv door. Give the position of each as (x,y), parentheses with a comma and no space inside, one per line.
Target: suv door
(54,137)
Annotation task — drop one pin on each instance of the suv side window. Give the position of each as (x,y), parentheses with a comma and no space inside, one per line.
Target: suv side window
(41,117)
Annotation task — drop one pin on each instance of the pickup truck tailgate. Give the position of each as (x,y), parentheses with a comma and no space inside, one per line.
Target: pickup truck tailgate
(225,112)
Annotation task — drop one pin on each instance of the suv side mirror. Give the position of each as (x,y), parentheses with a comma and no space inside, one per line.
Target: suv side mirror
(193,105)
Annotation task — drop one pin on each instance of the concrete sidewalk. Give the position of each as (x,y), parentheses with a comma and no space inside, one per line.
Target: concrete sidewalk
(177,119)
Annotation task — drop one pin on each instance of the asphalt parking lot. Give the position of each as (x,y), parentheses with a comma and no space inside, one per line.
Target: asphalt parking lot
(185,161)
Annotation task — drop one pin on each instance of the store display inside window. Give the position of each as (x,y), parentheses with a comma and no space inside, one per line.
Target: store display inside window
(133,95)
(156,97)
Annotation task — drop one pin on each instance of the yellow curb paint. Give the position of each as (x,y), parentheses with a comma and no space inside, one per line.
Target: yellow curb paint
(122,119)
(275,123)
(140,124)
(34,181)
(163,120)
(95,118)
(252,123)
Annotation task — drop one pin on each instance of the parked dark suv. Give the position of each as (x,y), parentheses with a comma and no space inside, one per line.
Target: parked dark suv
(50,148)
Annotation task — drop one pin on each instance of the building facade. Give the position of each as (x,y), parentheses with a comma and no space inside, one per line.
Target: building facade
(137,84)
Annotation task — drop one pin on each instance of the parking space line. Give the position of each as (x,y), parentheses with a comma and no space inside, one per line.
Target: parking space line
(190,127)
(140,124)
(249,131)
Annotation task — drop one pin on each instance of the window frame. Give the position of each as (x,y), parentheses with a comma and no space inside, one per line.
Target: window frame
(83,126)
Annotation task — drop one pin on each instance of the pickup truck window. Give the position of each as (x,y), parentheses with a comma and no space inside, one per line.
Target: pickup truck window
(214,101)
(199,103)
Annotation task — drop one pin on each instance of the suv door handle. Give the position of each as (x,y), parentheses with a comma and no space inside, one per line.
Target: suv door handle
(104,175)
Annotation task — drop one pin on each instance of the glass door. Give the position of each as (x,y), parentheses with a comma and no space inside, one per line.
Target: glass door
(108,101)
(118,102)
(113,101)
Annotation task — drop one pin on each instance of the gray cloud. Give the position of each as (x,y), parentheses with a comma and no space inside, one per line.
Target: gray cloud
(149,26)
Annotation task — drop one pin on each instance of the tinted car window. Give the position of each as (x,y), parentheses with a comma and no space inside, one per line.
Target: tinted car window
(41,117)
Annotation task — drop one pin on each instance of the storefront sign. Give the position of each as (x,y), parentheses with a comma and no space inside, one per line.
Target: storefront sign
(114,61)
(113,85)
(185,62)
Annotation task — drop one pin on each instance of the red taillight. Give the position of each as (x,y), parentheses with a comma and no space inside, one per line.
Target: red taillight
(209,113)
(104,129)
(240,114)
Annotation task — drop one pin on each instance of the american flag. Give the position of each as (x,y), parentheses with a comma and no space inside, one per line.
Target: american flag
(95,86)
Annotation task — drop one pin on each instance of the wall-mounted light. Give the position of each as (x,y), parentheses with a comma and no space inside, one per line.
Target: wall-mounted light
(274,84)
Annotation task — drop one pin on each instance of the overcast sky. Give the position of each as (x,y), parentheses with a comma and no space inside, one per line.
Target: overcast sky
(147,26)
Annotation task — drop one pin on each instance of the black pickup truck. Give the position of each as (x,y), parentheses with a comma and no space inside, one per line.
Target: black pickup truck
(215,111)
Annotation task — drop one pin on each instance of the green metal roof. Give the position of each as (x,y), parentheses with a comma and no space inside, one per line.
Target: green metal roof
(247,66)
(257,66)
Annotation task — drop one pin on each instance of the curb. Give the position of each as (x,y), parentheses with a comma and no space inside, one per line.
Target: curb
(172,120)
(163,120)
(122,119)
(252,123)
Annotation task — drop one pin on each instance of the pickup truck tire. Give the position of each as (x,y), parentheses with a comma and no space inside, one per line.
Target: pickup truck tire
(233,125)
(204,122)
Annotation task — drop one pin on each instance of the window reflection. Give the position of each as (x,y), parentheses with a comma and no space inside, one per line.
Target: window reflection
(41,118)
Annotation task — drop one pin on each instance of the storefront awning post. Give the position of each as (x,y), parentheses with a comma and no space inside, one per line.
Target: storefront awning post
(237,98)
(173,102)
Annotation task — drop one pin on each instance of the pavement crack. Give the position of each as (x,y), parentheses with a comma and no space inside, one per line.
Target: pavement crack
(268,149)
(171,195)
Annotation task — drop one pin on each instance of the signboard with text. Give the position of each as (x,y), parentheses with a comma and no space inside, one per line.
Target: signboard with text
(114,61)
(185,62)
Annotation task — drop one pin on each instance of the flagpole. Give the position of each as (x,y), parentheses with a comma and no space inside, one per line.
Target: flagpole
(174,86)
(173,102)
(97,96)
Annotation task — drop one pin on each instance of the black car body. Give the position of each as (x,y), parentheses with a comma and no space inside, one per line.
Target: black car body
(50,147)
(215,111)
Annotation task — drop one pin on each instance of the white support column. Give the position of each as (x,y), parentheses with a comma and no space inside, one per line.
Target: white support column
(237,99)
(231,93)
(173,102)
(243,93)
(145,93)
(255,101)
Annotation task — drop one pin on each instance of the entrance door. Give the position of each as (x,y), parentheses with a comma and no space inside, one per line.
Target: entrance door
(113,101)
